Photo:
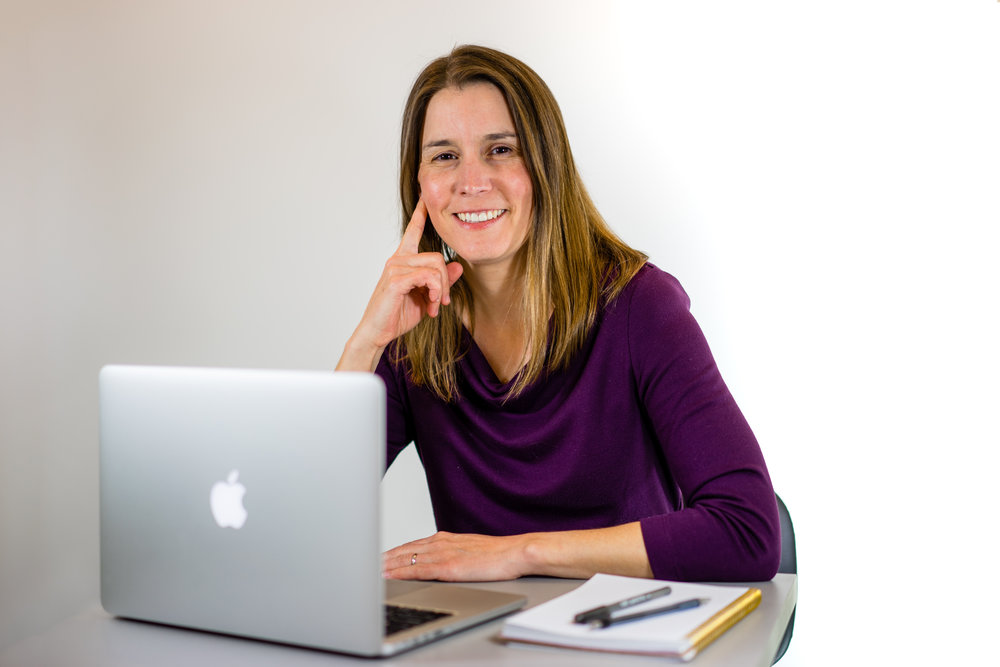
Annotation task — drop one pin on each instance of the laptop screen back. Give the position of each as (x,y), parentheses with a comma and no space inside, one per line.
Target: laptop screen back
(244,502)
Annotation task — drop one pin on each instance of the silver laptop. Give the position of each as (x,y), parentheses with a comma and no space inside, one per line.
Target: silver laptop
(246,502)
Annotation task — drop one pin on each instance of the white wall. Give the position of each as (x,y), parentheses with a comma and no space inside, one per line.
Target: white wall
(214,184)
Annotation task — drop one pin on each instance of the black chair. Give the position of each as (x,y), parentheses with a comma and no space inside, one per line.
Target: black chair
(787,565)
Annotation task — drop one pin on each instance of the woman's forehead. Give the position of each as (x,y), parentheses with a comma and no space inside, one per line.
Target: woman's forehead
(476,109)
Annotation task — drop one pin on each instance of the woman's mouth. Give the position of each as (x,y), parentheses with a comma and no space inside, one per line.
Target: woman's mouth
(481,216)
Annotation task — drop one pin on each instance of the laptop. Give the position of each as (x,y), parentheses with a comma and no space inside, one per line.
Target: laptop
(246,502)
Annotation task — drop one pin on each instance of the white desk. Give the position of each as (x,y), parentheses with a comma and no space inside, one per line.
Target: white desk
(93,638)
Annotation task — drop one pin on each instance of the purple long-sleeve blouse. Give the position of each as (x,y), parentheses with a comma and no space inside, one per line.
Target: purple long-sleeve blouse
(639,427)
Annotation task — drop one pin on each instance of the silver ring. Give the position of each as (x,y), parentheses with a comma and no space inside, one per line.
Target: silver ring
(413,559)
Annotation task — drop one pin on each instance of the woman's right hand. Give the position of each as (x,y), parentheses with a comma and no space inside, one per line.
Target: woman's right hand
(413,285)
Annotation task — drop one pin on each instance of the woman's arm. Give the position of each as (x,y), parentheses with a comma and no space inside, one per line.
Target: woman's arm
(727,528)
(575,554)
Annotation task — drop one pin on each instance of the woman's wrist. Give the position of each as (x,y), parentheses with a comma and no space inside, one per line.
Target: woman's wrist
(359,355)
(579,554)
(545,554)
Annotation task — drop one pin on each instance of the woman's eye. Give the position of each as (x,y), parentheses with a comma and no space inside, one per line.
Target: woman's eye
(501,150)
(443,156)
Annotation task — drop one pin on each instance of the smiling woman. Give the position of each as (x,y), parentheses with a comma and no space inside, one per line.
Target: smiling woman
(564,266)
(563,401)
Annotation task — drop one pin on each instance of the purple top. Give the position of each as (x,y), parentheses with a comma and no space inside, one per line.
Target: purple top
(640,426)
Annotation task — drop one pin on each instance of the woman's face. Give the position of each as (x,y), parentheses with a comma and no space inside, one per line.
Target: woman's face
(472,175)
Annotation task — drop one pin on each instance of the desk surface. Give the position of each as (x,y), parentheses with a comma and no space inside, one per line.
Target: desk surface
(92,637)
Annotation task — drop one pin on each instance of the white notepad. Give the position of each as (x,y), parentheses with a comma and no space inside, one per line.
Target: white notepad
(680,635)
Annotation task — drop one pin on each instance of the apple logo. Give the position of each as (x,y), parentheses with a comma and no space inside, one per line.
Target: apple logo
(226,501)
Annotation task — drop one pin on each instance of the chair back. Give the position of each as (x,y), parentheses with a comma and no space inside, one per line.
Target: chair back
(788,565)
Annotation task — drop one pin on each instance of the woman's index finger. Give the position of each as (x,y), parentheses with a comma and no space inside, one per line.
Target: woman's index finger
(414,229)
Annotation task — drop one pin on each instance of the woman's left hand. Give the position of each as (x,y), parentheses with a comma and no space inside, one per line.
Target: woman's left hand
(457,557)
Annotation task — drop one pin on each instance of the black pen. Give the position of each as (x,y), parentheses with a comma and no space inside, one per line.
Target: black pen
(605,621)
(606,610)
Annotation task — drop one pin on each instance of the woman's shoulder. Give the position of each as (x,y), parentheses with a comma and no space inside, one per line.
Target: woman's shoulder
(653,288)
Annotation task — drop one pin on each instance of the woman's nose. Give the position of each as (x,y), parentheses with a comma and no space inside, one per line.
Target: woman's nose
(473,177)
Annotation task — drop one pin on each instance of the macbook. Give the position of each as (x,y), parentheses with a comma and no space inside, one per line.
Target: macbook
(246,502)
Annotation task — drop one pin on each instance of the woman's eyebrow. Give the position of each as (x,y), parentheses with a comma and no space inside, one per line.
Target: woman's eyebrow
(437,144)
(493,136)
(501,135)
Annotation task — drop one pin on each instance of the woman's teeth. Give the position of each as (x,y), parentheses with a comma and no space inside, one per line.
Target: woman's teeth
(481,216)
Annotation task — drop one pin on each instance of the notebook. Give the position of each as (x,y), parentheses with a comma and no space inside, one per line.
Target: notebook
(246,502)
(681,632)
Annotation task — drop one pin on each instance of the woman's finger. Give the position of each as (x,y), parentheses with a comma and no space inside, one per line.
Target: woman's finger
(410,244)
(423,271)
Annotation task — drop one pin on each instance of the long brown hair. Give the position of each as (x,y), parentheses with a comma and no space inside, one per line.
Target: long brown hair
(571,258)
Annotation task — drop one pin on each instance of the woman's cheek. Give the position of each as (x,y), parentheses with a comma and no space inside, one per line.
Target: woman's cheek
(435,196)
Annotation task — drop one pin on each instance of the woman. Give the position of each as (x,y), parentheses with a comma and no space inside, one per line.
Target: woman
(564,403)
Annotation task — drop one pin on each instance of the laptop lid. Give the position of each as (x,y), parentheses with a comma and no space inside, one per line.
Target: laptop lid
(247,502)
(244,501)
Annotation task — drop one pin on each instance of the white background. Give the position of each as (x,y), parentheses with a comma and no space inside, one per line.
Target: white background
(214,183)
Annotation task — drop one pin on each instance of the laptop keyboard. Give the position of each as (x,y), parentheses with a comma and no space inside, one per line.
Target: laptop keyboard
(398,618)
